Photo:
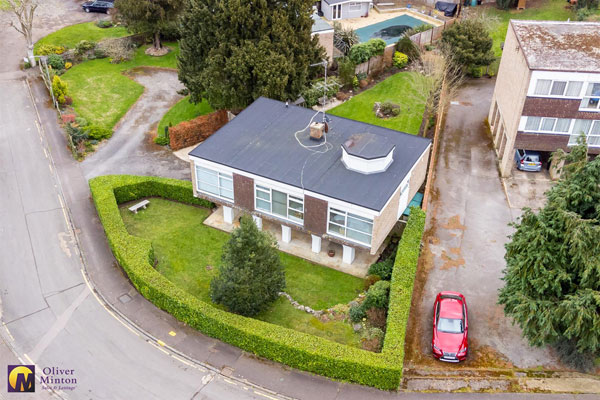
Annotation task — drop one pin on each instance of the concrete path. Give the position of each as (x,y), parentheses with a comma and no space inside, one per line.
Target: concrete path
(467,228)
(131,149)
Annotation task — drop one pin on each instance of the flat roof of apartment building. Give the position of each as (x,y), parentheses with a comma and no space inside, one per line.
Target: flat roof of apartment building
(559,45)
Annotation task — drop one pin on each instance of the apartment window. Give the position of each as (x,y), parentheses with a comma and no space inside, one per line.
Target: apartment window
(555,125)
(280,204)
(351,226)
(215,183)
(591,98)
(354,6)
(547,87)
(591,129)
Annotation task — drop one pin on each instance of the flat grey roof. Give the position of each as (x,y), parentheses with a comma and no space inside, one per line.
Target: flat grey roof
(319,24)
(368,145)
(261,140)
(559,45)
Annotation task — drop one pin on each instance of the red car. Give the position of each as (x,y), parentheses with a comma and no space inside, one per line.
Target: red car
(450,327)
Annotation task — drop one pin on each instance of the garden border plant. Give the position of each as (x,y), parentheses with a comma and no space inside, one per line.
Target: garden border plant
(296,349)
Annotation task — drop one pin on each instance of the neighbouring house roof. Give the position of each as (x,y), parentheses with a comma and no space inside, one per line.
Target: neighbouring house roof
(559,46)
(261,140)
(320,25)
(332,2)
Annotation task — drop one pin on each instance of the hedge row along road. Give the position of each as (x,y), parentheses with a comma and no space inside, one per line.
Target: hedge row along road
(280,344)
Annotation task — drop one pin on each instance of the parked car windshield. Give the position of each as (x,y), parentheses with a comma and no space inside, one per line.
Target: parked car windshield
(450,325)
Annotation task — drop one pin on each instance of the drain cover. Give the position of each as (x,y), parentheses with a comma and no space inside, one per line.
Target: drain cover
(125,298)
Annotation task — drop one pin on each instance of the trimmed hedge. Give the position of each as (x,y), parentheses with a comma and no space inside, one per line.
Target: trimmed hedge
(296,349)
(402,283)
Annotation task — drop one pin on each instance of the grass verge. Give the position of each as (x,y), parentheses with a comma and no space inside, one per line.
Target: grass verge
(183,111)
(71,35)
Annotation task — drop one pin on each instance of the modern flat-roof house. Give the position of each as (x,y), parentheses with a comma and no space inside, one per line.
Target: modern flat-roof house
(548,89)
(343,181)
(324,31)
(343,9)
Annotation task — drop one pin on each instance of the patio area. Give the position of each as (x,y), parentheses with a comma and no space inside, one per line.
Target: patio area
(300,245)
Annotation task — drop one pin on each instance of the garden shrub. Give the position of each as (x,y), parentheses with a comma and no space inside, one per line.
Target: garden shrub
(377,296)
(377,317)
(104,23)
(77,134)
(346,71)
(408,47)
(362,52)
(84,46)
(56,62)
(317,90)
(400,60)
(371,339)
(47,49)
(370,280)
(188,133)
(355,82)
(386,110)
(383,269)
(118,49)
(81,122)
(377,46)
(68,65)
(357,313)
(59,88)
(296,349)
(98,132)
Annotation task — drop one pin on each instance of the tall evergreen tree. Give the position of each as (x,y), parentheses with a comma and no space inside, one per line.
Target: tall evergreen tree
(234,51)
(153,16)
(469,43)
(552,278)
(250,276)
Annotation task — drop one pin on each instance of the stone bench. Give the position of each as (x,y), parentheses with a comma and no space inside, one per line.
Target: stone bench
(142,204)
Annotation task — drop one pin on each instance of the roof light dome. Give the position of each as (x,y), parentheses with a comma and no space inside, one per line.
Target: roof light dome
(367,153)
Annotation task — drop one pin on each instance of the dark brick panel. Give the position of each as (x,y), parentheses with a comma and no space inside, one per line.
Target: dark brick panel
(558,108)
(243,192)
(315,215)
(541,141)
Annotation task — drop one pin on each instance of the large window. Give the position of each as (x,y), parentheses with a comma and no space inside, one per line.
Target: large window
(554,125)
(591,129)
(547,87)
(351,226)
(354,6)
(591,99)
(215,183)
(280,204)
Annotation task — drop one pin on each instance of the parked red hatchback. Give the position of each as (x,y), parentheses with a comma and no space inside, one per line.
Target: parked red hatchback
(450,325)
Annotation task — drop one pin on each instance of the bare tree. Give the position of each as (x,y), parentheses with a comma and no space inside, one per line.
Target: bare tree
(24,10)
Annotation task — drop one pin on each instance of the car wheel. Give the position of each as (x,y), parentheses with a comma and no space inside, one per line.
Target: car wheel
(87,10)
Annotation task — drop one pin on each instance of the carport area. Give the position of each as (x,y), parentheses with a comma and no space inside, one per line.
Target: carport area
(526,189)
(467,227)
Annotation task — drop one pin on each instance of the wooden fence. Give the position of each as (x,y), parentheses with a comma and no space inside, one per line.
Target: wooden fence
(429,36)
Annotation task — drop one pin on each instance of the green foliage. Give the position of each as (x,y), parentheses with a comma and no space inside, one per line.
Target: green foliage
(357,313)
(506,4)
(346,70)
(344,38)
(47,49)
(552,279)
(318,89)
(104,23)
(56,62)
(377,296)
(233,52)
(60,89)
(403,278)
(84,46)
(584,13)
(296,349)
(421,28)
(250,276)
(69,36)
(400,60)
(587,4)
(383,269)
(475,72)
(362,52)
(469,43)
(154,16)
(97,132)
(184,110)
(389,109)
(355,82)
(408,47)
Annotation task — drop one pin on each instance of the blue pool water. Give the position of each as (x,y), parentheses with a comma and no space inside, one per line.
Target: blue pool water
(389,30)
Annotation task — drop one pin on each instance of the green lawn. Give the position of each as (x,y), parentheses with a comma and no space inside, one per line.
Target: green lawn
(183,111)
(189,253)
(407,89)
(102,94)
(71,35)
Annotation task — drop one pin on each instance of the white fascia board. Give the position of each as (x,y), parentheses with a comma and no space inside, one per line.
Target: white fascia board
(293,190)
(561,76)
(320,32)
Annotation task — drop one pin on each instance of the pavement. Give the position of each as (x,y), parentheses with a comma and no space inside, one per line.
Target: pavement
(467,227)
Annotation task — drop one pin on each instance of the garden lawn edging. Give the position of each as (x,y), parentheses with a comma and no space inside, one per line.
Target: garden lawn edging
(296,349)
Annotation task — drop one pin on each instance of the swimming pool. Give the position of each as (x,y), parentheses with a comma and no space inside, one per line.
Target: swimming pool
(389,30)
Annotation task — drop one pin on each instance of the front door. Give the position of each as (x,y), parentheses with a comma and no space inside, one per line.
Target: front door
(337,11)
(403,197)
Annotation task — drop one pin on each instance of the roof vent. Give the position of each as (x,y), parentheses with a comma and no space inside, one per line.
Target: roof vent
(316,130)
(367,153)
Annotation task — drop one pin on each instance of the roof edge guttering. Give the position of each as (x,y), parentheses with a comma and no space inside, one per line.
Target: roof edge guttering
(367,166)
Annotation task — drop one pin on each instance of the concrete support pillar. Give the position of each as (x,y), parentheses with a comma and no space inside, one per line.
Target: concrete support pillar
(228,214)
(556,169)
(316,244)
(348,254)
(257,221)
(286,234)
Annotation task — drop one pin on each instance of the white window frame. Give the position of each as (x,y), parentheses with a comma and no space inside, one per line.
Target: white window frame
(221,176)
(354,6)
(575,135)
(590,96)
(336,11)
(564,92)
(290,198)
(345,213)
(553,131)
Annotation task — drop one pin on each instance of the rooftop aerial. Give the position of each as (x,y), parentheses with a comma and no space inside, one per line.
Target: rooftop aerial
(560,45)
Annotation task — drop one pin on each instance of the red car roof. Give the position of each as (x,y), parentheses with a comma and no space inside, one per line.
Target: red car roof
(451,308)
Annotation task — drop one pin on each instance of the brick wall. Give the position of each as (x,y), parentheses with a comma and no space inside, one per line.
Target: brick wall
(243,192)
(189,133)
(315,215)
(541,141)
(383,224)
(558,108)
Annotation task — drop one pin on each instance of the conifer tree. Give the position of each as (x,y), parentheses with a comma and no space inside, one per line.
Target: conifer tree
(250,276)
(234,51)
(469,43)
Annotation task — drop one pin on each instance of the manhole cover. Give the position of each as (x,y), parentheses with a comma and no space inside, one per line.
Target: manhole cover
(125,298)
(227,371)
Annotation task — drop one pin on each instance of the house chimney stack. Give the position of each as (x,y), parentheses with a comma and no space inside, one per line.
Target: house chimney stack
(316,130)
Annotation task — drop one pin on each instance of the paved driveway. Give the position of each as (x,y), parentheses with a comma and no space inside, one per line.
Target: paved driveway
(467,228)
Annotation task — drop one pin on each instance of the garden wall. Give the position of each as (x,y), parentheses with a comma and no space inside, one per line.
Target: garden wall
(189,133)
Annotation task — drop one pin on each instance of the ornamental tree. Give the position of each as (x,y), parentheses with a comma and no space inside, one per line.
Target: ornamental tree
(469,43)
(552,277)
(23,11)
(233,52)
(250,276)
(152,16)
